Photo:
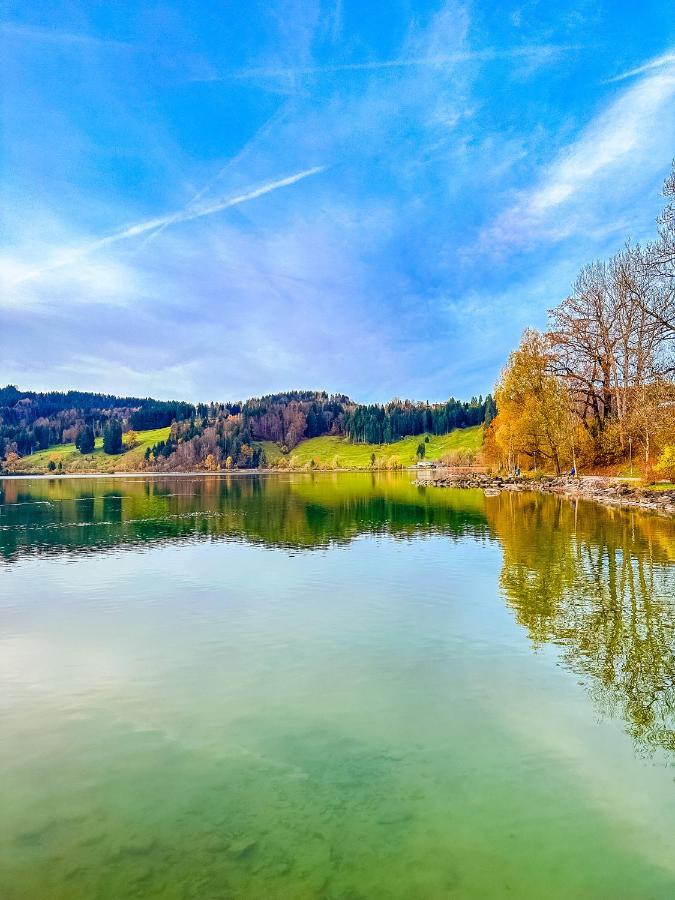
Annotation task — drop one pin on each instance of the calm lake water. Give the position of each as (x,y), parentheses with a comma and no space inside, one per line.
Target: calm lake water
(332,686)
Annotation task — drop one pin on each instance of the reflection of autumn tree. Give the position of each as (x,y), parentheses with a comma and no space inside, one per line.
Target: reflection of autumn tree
(601,584)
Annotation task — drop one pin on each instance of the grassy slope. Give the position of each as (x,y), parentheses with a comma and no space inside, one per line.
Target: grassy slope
(325,449)
(98,461)
(321,450)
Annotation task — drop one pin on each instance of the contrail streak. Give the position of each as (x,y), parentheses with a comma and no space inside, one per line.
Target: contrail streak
(187,214)
(486,55)
(657,63)
(263,131)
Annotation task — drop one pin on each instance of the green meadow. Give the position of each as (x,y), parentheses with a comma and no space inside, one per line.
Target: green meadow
(327,451)
(73,461)
(336,452)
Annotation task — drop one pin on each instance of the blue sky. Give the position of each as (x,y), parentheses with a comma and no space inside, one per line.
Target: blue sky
(217,200)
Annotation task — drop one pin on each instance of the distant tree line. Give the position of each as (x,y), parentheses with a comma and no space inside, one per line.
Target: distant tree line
(288,418)
(219,442)
(218,435)
(226,436)
(160,414)
(31,421)
(376,424)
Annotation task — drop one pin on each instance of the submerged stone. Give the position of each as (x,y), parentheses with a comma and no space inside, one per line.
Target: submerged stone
(394,818)
(241,848)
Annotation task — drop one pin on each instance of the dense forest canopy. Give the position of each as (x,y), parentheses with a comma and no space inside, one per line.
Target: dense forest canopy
(377,424)
(31,421)
(229,436)
(216,435)
(291,417)
(159,414)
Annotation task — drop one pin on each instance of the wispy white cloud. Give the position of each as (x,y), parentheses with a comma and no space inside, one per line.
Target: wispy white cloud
(630,139)
(657,63)
(536,51)
(343,287)
(102,279)
(267,293)
(336,24)
(187,214)
(57,36)
(264,132)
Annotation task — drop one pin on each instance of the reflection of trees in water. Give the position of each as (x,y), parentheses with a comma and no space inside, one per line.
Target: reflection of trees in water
(601,583)
(295,511)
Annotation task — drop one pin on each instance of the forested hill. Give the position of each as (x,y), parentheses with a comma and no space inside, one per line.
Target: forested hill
(220,432)
(289,418)
(30,420)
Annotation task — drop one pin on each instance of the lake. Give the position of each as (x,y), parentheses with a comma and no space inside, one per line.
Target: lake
(332,686)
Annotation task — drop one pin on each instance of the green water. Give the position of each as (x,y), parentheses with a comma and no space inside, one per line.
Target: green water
(332,686)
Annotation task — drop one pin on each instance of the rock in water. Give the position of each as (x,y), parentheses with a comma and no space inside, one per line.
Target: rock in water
(239,849)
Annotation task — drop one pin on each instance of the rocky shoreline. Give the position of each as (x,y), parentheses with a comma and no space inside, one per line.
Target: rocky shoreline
(609,491)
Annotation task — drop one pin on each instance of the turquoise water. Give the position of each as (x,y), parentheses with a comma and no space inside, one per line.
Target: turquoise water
(332,686)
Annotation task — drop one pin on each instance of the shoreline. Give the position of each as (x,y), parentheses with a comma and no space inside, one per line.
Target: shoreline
(194,473)
(608,491)
(62,476)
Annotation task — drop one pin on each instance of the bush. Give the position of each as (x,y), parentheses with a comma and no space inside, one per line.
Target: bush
(459,458)
(666,462)
(585,448)
(608,445)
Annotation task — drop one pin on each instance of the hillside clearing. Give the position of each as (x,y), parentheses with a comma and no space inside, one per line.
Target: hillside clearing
(326,451)
(337,452)
(73,461)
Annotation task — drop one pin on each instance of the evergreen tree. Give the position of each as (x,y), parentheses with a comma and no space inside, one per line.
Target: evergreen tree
(85,440)
(490,410)
(112,437)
